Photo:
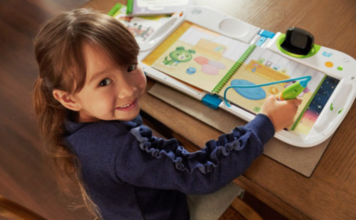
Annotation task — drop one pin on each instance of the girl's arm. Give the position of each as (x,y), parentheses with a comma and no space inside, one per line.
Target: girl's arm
(147,161)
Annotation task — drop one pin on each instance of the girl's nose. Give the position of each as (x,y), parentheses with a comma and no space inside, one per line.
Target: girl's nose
(125,89)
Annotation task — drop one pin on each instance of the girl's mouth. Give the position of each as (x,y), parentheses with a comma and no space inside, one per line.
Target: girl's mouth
(127,107)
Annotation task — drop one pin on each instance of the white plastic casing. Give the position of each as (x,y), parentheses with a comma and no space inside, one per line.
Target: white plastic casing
(328,121)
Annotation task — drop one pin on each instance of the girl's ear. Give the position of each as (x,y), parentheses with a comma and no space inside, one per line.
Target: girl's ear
(67,100)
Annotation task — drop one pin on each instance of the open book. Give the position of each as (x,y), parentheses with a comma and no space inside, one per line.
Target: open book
(212,62)
(155,7)
(140,27)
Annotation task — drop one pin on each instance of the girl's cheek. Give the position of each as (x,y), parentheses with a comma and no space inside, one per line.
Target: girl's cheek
(144,82)
(141,80)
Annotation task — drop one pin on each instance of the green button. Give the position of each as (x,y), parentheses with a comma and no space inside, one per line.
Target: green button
(340,68)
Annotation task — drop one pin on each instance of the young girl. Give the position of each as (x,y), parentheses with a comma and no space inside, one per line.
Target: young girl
(87,101)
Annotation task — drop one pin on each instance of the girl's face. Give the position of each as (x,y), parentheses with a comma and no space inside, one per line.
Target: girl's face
(111,92)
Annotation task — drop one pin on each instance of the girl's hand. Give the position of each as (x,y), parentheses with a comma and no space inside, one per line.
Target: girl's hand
(281,113)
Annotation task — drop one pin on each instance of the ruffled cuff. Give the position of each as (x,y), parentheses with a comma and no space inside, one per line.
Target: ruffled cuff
(206,160)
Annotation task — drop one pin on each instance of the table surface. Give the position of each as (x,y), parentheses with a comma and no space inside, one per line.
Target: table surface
(330,193)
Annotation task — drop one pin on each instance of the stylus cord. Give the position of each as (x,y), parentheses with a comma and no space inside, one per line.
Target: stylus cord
(260,85)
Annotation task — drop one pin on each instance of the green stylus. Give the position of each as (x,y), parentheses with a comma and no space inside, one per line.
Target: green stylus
(292,92)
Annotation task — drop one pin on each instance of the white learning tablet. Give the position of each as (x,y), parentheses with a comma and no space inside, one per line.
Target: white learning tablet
(201,52)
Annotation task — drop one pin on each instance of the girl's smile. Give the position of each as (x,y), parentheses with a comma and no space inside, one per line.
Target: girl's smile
(128,107)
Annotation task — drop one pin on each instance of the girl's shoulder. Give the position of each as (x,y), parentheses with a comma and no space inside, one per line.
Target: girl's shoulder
(100,128)
(97,140)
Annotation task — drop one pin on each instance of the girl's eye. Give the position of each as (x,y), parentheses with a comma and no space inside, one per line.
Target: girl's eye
(132,67)
(105,82)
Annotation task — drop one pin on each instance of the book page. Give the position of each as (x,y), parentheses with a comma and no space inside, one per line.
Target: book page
(161,3)
(264,66)
(149,7)
(196,56)
(140,27)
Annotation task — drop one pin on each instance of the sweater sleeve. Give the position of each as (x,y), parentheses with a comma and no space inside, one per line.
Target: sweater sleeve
(148,161)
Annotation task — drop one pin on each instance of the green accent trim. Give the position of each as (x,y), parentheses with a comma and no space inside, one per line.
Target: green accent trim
(129,7)
(116,8)
(311,53)
(307,105)
(233,69)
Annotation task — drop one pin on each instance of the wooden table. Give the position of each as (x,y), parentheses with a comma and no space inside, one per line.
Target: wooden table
(330,193)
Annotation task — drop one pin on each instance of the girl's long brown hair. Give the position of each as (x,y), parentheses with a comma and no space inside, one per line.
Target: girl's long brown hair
(59,54)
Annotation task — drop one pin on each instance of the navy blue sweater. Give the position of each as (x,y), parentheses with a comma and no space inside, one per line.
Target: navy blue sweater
(130,174)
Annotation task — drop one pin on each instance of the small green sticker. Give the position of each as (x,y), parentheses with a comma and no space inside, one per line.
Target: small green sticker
(257,109)
(331,107)
(340,110)
(340,68)
(261,60)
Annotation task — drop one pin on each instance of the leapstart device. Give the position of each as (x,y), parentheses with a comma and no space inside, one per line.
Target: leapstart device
(202,52)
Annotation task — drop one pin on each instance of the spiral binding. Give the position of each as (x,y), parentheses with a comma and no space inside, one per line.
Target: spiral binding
(233,69)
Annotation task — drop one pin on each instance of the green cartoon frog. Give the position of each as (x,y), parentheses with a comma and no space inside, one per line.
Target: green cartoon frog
(178,56)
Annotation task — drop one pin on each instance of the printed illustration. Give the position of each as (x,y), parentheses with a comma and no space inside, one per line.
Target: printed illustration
(178,56)
(210,67)
(214,56)
(140,27)
(140,31)
(316,105)
(262,67)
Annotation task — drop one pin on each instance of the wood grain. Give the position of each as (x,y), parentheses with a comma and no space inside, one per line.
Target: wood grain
(24,176)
